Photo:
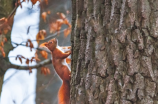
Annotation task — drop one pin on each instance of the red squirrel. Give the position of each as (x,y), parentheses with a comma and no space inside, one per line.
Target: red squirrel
(59,55)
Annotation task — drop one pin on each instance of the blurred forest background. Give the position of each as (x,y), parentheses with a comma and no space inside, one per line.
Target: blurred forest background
(47,86)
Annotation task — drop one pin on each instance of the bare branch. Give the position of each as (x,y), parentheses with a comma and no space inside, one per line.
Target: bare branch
(53,35)
(13,11)
(38,48)
(48,37)
(42,63)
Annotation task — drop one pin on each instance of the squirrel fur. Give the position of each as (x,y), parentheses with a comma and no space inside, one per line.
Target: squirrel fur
(59,55)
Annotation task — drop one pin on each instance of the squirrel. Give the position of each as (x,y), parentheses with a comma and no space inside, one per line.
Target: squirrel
(59,55)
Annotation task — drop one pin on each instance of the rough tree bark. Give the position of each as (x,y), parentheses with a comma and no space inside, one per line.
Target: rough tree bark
(114,52)
(6,6)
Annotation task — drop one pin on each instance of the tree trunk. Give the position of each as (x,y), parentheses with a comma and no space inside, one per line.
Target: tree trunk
(114,54)
(6,6)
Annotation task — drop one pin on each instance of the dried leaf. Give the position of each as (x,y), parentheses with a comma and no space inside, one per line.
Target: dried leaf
(32,59)
(27,44)
(30,70)
(27,61)
(67,32)
(3,54)
(62,15)
(36,57)
(5,39)
(56,26)
(5,31)
(31,44)
(4,26)
(45,70)
(68,60)
(34,1)
(2,44)
(48,12)
(44,15)
(65,20)
(43,44)
(67,12)
(2,20)
(2,51)
(22,57)
(41,35)
(53,27)
(44,54)
(20,60)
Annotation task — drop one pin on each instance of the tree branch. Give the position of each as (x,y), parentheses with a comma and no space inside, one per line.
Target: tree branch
(42,63)
(38,48)
(13,11)
(48,37)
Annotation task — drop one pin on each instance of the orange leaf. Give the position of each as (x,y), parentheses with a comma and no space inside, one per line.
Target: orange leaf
(3,54)
(44,54)
(27,61)
(31,44)
(27,44)
(2,20)
(65,20)
(48,12)
(67,32)
(45,70)
(53,27)
(32,59)
(20,60)
(62,15)
(30,70)
(4,26)
(34,1)
(2,51)
(68,60)
(5,31)
(5,39)
(67,12)
(40,36)
(36,57)
(44,15)
(2,44)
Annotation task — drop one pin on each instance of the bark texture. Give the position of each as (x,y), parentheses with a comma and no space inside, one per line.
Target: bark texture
(115,52)
(6,6)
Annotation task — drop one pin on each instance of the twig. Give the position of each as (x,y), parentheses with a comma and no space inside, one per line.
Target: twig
(50,36)
(13,11)
(42,63)
(38,48)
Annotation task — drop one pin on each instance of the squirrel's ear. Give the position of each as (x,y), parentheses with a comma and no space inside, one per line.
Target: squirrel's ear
(45,44)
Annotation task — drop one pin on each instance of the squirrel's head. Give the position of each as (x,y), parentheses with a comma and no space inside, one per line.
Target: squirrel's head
(51,45)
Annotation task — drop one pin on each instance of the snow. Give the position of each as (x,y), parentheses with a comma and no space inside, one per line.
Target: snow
(19,86)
